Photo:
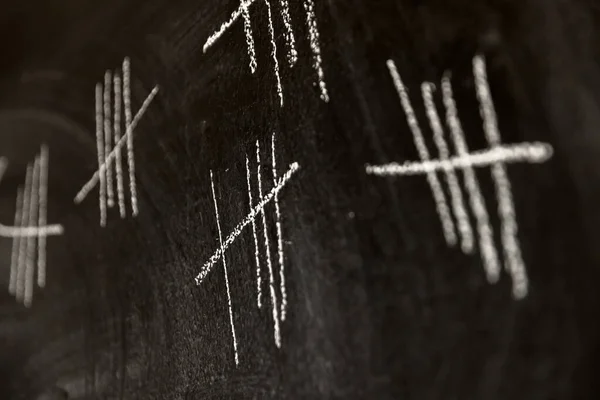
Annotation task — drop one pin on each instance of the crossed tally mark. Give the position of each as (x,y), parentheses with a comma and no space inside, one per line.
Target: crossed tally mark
(496,157)
(278,309)
(109,112)
(292,54)
(30,230)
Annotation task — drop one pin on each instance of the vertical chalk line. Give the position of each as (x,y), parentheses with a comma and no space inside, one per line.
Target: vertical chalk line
(274,54)
(128,123)
(514,260)
(117,133)
(25,221)
(15,262)
(89,185)
(100,150)
(487,248)
(206,268)
(31,241)
(434,183)
(457,201)
(43,213)
(282,282)
(289,33)
(311,22)
(276,332)
(256,252)
(249,36)
(235,351)
(108,137)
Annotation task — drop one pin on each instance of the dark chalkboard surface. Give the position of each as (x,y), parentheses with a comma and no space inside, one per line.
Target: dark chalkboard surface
(311,199)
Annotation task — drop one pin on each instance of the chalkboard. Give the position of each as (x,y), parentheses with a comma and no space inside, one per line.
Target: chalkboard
(312,199)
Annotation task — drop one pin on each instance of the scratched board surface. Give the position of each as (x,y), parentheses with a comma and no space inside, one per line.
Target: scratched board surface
(311,199)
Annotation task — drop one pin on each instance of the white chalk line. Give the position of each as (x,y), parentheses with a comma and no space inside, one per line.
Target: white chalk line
(117,133)
(100,151)
(442,207)
(32,231)
(128,124)
(276,332)
(509,228)
(91,183)
(282,281)
(207,267)
(249,37)
(289,32)
(534,152)
(32,240)
(311,22)
(14,262)
(212,39)
(274,54)
(24,244)
(43,214)
(234,338)
(484,229)
(256,251)
(110,194)
(456,196)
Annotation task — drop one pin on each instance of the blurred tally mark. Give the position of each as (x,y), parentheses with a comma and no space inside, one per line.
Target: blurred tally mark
(113,98)
(495,157)
(279,310)
(30,230)
(292,55)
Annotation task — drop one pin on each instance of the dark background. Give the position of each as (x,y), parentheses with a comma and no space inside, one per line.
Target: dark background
(379,306)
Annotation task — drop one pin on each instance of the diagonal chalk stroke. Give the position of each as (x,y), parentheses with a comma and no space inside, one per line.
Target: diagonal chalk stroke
(235,350)
(100,150)
(128,123)
(24,244)
(279,236)
(117,133)
(526,152)
(89,185)
(212,39)
(311,22)
(289,33)
(256,253)
(110,194)
(207,267)
(274,54)
(43,214)
(457,201)
(249,37)
(434,183)
(484,228)
(509,228)
(12,285)
(31,241)
(277,334)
